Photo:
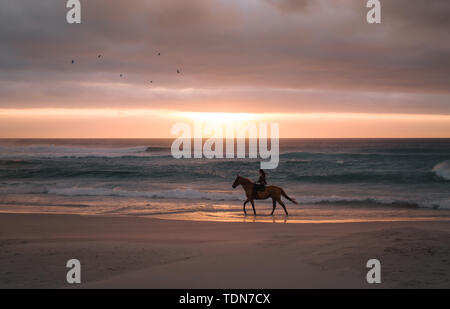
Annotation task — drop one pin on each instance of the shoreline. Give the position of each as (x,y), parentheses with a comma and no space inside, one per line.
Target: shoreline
(131,252)
(249,218)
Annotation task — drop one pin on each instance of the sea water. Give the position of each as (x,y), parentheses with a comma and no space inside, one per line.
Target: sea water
(334,180)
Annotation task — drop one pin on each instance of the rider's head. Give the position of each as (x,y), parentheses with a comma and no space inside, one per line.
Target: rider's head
(262,173)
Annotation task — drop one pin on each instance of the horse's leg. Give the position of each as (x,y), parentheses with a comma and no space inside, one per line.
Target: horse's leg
(284,207)
(274,205)
(245,212)
(253,205)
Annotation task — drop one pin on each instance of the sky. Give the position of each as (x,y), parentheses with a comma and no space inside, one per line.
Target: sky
(314,66)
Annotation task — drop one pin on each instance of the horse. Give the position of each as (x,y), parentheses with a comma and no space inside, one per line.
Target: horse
(273,192)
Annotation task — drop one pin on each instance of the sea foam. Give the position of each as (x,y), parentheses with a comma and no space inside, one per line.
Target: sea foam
(443,170)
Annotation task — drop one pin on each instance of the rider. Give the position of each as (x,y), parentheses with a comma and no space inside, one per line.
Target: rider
(260,185)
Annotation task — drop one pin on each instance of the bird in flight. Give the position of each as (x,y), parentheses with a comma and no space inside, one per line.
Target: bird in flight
(121,75)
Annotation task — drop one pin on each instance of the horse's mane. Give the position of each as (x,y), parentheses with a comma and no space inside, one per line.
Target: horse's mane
(247,179)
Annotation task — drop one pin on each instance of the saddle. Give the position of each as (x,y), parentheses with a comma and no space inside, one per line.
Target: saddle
(257,187)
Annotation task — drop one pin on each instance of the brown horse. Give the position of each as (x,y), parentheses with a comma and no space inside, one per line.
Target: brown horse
(271,191)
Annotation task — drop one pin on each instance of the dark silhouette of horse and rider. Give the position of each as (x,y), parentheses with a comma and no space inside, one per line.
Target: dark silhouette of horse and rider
(260,191)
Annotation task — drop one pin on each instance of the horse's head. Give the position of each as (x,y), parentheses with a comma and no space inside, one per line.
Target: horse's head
(236,182)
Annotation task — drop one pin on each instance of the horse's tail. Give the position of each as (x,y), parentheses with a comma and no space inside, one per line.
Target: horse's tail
(286,196)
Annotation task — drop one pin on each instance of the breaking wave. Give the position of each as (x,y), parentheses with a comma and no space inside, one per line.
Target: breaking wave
(189,194)
(442,170)
(73,151)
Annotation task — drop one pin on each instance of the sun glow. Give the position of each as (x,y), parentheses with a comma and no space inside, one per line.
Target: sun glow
(222,118)
(157,123)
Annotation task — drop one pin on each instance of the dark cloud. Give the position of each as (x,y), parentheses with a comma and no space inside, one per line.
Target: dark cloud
(426,14)
(290,6)
(224,47)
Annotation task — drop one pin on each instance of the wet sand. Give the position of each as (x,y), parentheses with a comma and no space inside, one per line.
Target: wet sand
(130,252)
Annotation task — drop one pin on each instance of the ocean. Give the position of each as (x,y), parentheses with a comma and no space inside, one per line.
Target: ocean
(334,180)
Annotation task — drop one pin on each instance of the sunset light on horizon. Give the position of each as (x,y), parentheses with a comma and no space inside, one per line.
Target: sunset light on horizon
(148,123)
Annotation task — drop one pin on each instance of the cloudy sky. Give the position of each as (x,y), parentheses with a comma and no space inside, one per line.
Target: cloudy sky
(315,66)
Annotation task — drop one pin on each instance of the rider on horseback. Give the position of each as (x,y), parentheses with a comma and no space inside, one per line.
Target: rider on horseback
(273,192)
(260,185)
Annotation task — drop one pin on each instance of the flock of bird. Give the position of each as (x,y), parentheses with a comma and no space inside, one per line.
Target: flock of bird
(121,75)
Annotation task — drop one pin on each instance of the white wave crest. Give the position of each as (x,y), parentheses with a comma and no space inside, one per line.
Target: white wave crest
(71,151)
(190,194)
(443,170)
(375,201)
(187,194)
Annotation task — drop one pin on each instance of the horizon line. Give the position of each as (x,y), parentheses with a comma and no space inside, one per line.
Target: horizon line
(284,138)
